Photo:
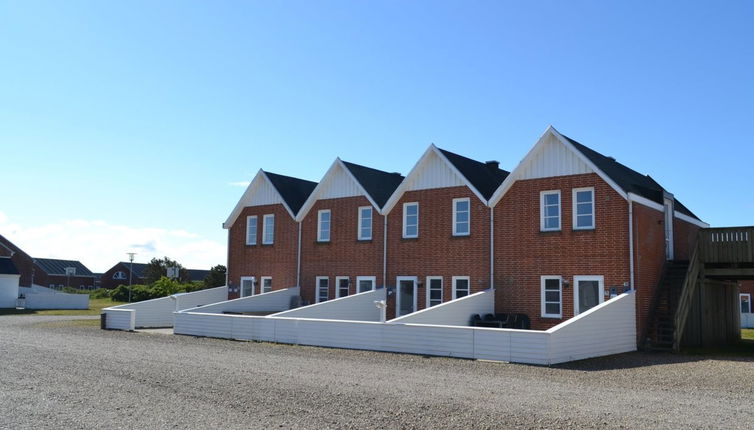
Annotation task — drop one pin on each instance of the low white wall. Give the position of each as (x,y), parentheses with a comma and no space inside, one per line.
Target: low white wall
(357,307)
(159,312)
(40,301)
(747,320)
(120,319)
(8,290)
(607,329)
(274,301)
(455,312)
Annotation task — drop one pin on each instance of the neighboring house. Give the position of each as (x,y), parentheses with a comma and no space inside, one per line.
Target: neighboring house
(564,220)
(54,273)
(120,274)
(342,232)
(745,295)
(23,262)
(264,236)
(439,231)
(9,278)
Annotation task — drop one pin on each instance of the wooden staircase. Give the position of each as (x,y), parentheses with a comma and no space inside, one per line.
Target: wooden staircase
(660,333)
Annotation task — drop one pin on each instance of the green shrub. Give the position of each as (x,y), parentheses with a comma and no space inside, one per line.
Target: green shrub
(102,293)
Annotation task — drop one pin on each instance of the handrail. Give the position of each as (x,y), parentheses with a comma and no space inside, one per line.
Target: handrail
(726,245)
(686,298)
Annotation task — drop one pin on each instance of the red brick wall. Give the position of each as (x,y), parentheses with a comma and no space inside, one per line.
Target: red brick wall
(746,287)
(684,239)
(649,259)
(344,254)
(436,252)
(523,254)
(21,260)
(277,260)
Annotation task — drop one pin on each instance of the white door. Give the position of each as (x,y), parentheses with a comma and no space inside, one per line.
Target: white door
(247,286)
(668,229)
(588,292)
(405,295)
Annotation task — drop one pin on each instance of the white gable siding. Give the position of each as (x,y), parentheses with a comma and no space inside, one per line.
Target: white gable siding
(553,159)
(262,193)
(339,184)
(434,173)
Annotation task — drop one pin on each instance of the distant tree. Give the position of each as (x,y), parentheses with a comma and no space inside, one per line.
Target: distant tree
(158,267)
(216,277)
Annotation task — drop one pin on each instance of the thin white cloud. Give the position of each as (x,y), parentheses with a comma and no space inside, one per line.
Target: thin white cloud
(239,184)
(99,244)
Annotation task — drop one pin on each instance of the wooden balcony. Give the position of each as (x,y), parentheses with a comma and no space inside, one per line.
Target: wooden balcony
(727,252)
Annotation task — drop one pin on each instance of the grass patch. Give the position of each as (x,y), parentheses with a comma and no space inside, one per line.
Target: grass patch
(747,333)
(95,308)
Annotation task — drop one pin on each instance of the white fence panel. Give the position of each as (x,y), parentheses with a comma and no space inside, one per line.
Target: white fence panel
(455,312)
(274,301)
(9,290)
(609,328)
(492,344)
(201,297)
(358,307)
(209,325)
(56,301)
(747,320)
(121,319)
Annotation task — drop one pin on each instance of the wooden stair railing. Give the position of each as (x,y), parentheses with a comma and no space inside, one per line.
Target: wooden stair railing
(690,285)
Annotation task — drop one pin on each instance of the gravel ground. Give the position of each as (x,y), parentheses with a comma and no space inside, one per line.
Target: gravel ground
(61,374)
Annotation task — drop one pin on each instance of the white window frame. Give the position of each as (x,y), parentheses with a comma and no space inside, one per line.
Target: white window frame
(266,229)
(415,305)
(373,279)
(542,296)
(261,284)
(405,213)
(429,290)
(317,289)
(319,225)
(337,286)
(455,212)
(461,278)
(741,296)
(251,220)
(361,218)
(601,298)
(542,195)
(574,212)
(253,285)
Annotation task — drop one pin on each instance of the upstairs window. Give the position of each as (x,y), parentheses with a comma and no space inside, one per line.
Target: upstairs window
(251,230)
(323,225)
(550,210)
(552,296)
(323,285)
(268,229)
(461,285)
(583,208)
(411,220)
(461,213)
(365,223)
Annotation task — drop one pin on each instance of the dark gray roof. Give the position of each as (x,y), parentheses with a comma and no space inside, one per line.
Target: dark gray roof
(53,266)
(379,184)
(293,190)
(7,267)
(197,275)
(138,268)
(485,177)
(628,179)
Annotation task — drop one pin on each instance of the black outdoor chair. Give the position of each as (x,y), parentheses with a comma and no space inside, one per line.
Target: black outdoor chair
(475,318)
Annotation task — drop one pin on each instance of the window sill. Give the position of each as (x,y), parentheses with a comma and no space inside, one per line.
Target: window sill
(550,232)
(409,239)
(251,244)
(363,240)
(322,242)
(460,236)
(584,229)
(268,244)
(552,317)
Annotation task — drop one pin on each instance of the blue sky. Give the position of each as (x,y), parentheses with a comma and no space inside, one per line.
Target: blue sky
(127,123)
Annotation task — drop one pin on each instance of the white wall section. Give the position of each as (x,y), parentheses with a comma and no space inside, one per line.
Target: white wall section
(455,312)
(356,307)
(9,290)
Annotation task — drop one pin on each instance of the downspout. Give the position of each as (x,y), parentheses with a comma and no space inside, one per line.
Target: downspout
(384,250)
(492,248)
(298,257)
(631,241)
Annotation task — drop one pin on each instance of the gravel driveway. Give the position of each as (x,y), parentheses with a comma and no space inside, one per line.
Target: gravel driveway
(59,374)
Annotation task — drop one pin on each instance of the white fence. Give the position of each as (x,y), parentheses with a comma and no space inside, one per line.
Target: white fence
(8,290)
(56,301)
(455,312)
(358,307)
(274,301)
(159,312)
(747,320)
(609,328)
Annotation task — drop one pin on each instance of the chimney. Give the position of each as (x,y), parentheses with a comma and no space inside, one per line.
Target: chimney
(492,164)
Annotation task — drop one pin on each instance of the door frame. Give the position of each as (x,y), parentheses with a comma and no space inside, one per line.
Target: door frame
(601,292)
(398,279)
(253,280)
(668,216)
